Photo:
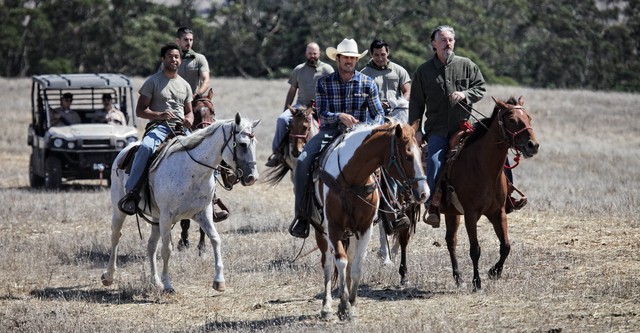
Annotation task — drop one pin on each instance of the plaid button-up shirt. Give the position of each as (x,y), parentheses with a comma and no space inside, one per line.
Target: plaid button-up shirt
(357,97)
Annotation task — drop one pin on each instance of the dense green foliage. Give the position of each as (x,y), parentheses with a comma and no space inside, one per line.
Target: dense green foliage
(541,43)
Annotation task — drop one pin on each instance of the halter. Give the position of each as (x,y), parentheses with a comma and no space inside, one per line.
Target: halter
(306,133)
(510,137)
(237,173)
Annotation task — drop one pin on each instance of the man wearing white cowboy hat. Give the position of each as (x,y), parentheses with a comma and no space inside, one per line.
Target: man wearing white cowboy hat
(343,99)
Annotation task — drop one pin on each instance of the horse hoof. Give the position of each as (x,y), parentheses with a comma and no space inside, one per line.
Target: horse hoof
(219,286)
(495,273)
(169,291)
(105,281)
(405,282)
(326,315)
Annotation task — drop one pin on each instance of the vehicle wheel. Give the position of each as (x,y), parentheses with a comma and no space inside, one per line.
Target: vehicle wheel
(34,180)
(52,173)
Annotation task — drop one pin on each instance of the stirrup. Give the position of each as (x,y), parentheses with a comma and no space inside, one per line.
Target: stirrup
(129,203)
(299,227)
(431,217)
(274,160)
(223,213)
(401,223)
(515,204)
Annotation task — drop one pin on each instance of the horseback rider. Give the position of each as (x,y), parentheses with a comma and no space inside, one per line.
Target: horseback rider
(343,99)
(302,80)
(443,89)
(394,86)
(165,99)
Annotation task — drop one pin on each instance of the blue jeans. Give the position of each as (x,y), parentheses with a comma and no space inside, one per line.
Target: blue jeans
(282,128)
(305,162)
(148,146)
(436,150)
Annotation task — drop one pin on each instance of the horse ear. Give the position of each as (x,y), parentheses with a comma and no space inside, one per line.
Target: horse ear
(521,100)
(255,123)
(238,118)
(210,94)
(416,125)
(499,103)
(399,130)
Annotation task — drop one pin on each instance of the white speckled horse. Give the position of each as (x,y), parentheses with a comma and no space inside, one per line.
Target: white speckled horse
(182,184)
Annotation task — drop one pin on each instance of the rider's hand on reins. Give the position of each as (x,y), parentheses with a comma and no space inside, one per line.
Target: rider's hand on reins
(347,119)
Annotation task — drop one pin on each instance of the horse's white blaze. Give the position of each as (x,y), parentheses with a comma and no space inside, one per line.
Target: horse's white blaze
(419,172)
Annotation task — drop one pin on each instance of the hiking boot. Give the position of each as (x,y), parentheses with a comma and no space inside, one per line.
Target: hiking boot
(129,203)
(432,217)
(299,228)
(220,210)
(274,160)
(515,204)
(401,222)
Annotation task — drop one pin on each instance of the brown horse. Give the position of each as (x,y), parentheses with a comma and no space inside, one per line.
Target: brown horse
(203,116)
(302,128)
(348,192)
(478,181)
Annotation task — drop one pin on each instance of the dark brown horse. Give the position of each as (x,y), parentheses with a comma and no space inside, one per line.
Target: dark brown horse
(350,198)
(478,181)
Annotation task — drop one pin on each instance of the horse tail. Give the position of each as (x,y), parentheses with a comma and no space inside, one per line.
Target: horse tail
(274,175)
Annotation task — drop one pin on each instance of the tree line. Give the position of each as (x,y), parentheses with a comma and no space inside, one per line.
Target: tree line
(591,44)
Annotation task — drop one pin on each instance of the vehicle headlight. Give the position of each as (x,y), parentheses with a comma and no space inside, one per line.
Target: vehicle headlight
(132,139)
(57,142)
(120,144)
(71,144)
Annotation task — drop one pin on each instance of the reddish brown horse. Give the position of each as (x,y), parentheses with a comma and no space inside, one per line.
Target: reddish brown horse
(477,177)
(350,199)
(302,128)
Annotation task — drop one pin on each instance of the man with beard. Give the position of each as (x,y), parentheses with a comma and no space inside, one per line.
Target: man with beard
(302,80)
(343,99)
(194,67)
(165,99)
(446,86)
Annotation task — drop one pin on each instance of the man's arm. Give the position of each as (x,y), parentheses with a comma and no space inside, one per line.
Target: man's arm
(290,95)
(205,83)
(143,110)
(406,90)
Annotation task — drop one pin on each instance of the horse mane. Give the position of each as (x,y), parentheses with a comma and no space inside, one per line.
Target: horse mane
(191,141)
(481,127)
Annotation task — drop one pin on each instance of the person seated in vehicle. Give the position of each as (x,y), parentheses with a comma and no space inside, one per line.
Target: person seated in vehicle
(64,116)
(109,114)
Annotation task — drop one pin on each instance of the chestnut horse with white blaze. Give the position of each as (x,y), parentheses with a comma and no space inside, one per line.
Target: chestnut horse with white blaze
(181,186)
(478,180)
(349,193)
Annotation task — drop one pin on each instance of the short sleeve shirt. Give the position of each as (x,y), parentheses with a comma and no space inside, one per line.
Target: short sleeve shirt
(389,80)
(192,65)
(167,94)
(305,78)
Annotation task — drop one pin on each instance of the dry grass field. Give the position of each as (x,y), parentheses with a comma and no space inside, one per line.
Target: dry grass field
(574,264)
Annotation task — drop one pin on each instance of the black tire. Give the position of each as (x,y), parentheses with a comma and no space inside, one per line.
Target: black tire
(52,173)
(34,180)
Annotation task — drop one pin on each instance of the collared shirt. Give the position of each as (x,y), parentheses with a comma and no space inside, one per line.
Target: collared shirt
(432,84)
(305,77)
(357,97)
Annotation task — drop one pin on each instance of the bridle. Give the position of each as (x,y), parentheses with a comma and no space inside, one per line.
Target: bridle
(507,135)
(209,106)
(304,135)
(233,146)
(394,161)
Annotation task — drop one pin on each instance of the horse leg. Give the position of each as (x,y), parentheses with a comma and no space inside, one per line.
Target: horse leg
(152,246)
(183,243)
(341,261)
(166,221)
(403,238)
(357,267)
(206,225)
(499,222)
(453,222)
(201,244)
(471,224)
(326,259)
(117,220)
(384,250)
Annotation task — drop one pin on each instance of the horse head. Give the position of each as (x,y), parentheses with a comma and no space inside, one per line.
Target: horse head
(515,123)
(239,150)
(203,111)
(301,129)
(405,162)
